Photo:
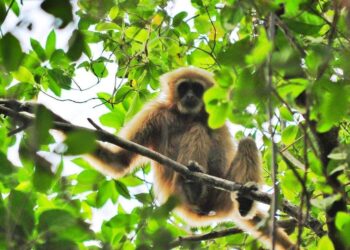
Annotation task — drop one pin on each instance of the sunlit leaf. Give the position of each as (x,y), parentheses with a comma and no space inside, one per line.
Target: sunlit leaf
(325,244)
(50,43)
(38,49)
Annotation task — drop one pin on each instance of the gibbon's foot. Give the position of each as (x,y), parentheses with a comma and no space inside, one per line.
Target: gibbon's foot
(194,189)
(245,204)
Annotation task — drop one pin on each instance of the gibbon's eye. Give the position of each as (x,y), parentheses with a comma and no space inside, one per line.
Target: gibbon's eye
(183,88)
(198,89)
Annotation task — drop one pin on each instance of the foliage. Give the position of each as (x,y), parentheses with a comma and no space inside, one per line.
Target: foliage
(309,55)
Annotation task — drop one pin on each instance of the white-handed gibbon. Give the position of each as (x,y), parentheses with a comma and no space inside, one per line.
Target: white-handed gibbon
(176,126)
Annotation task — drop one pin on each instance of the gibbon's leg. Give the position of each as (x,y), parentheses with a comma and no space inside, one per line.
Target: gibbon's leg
(194,148)
(246,169)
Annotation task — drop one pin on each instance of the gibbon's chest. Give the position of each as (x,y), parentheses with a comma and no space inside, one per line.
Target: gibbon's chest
(193,135)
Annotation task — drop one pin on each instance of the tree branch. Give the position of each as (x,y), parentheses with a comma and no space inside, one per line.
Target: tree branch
(216,182)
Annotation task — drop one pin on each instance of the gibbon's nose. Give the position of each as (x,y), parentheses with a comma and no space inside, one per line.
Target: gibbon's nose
(190,99)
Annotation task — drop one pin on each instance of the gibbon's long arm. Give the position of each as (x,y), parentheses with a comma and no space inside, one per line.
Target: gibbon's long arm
(143,129)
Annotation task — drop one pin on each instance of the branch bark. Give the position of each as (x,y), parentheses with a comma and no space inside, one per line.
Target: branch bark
(222,184)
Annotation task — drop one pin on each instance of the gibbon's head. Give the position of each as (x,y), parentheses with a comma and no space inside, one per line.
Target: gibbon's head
(184,87)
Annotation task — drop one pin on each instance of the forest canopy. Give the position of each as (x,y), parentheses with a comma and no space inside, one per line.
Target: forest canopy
(283,77)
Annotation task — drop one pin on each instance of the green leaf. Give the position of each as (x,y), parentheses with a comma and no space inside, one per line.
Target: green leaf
(202,24)
(135,107)
(6,166)
(231,16)
(293,88)
(315,58)
(342,223)
(224,77)
(289,134)
(122,93)
(89,176)
(99,69)
(60,224)
(59,59)
(137,34)
(144,198)
(50,43)
(60,9)
(290,185)
(2,12)
(261,50)
(131,181)
(105,98)
(113,119)
(325,244)
(338,156)
(179,17)
(234,54)
(107,26)
(80,142)
(43,177)
(200,58)
(23,75)
(286,114)
(122,189)
(21,210)
(217,106)
(60,78)
(218,116)
(106,191)
(22,90)
(113,13)
(315,164)
(337,96)
(342,220)
(38,49)
(81,162)
(303,28)
(11,53)
(42,124)
(76,45)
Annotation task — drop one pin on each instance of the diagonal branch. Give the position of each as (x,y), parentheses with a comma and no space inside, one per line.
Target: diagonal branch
(216,182)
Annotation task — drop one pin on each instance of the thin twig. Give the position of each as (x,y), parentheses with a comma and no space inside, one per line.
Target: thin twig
(94,124)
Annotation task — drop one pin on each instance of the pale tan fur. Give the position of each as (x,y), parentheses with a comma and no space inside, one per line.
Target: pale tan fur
(183,137)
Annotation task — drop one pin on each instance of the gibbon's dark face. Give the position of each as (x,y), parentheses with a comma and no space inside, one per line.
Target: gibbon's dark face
(190,95)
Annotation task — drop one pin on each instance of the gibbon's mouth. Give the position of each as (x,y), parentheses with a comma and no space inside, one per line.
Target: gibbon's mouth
(190,103)
(189,109)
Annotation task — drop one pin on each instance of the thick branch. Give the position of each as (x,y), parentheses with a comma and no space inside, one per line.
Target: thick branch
(216,182)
